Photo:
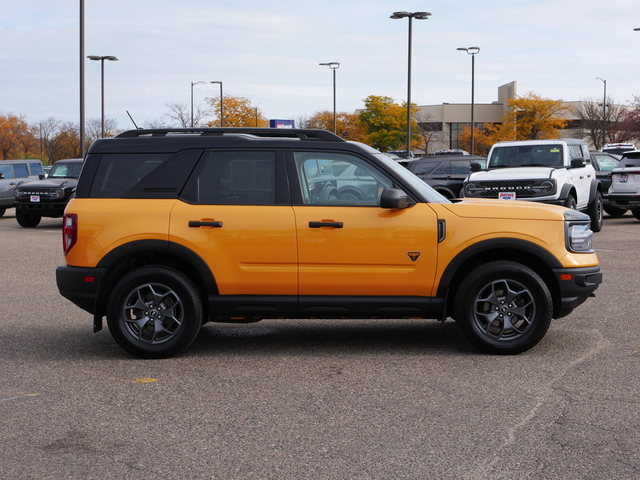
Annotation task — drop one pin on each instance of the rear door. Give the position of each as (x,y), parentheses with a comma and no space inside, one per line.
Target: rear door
(235,213)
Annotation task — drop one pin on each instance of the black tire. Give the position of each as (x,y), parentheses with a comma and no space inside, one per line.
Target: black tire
(2,211)
(27,221)
(329,193)
(492,296)
(446,193)
(351,195)
(636,213)
(614,211)
(596,213)
(154,312)
(570,202)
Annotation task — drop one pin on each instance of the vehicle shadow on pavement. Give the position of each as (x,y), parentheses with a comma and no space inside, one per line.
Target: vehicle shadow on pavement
(331,336)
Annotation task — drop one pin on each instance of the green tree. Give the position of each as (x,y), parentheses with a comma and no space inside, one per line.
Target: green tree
(385,123)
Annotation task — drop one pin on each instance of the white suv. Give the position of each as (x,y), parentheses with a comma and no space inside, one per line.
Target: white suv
(558,172)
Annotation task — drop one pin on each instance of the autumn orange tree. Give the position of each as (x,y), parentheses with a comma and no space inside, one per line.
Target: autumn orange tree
(237,111)
(16,136)
(348,125)
(529,117)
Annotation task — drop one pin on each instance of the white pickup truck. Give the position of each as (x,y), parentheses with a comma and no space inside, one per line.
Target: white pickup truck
(558,172)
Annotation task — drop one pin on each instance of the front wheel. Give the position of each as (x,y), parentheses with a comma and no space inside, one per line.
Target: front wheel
(614,211)
(27,221)
(154,312)
(503,307)
(596,213)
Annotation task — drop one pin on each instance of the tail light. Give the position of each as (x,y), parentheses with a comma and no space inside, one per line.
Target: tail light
(69,231)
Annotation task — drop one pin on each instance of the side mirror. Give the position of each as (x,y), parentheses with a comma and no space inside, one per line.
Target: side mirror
(475,167)
(395,199)
(1,176)
(578,162)
(41,176)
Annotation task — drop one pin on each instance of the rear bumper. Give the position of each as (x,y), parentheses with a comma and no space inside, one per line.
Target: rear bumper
(80,285)
(625,201)
(576,285)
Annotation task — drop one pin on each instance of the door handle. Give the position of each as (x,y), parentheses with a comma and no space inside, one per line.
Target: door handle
(198,224)
(325,224)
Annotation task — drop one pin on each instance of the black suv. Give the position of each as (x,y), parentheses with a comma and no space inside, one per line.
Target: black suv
(444,173)
(48,196)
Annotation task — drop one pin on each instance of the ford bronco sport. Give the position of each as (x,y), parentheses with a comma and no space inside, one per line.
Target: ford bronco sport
(558,172)
(171,229)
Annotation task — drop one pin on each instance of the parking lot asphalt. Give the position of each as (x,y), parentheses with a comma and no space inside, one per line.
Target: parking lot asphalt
(316,399)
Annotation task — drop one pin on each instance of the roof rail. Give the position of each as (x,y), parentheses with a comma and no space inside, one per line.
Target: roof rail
(301,134)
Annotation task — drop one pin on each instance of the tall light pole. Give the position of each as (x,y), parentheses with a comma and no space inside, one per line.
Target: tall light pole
(82,135)
(604,111)
(333,66)
(111,58)
(192,84)
(473,51)
(221,104)
(410,16)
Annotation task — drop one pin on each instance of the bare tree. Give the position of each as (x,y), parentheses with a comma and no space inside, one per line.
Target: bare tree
(592,123)
(180,114)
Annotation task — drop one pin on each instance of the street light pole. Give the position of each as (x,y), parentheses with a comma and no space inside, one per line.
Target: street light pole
(221,104)
(333,66)
(473,51)
(410,16)
(604,111)
(102,59)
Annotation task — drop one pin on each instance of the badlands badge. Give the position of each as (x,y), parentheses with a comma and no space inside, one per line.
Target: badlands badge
(413,256)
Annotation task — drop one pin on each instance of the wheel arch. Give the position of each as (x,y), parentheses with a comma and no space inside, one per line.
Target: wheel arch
(533,256)
(154,252)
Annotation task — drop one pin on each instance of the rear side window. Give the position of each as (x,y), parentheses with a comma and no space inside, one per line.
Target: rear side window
(20,170)
(233,178)
(35,168)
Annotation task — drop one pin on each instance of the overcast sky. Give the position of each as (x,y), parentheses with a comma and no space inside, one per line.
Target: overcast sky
(269,51)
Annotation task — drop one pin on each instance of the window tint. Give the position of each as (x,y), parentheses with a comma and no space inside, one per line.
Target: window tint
(460,167)
(422,168)
(234,178)
(35,168)
(20,170)
(120,173)
(443,169)
(606,162)
(7,170)
(338,179)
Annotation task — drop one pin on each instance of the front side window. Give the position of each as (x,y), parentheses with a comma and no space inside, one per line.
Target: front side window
(7,171)
(234,178)
(339,179)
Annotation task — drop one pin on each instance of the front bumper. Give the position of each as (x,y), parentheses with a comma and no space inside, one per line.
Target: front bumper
(576,285)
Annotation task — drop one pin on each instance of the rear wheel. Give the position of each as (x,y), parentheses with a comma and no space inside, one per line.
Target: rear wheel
(27,221)
(636,213)
(570,202)
(154,312)
(2,211)
(503,307)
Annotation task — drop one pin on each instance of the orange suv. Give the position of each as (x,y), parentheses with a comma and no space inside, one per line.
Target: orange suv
(170,229)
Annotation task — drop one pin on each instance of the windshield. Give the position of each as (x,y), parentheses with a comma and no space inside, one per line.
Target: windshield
(65,170)
(526,156)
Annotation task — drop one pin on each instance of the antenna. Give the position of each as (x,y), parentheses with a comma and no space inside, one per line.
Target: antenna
(134,123)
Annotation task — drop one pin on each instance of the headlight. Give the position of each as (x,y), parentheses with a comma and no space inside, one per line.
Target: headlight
(578,234)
